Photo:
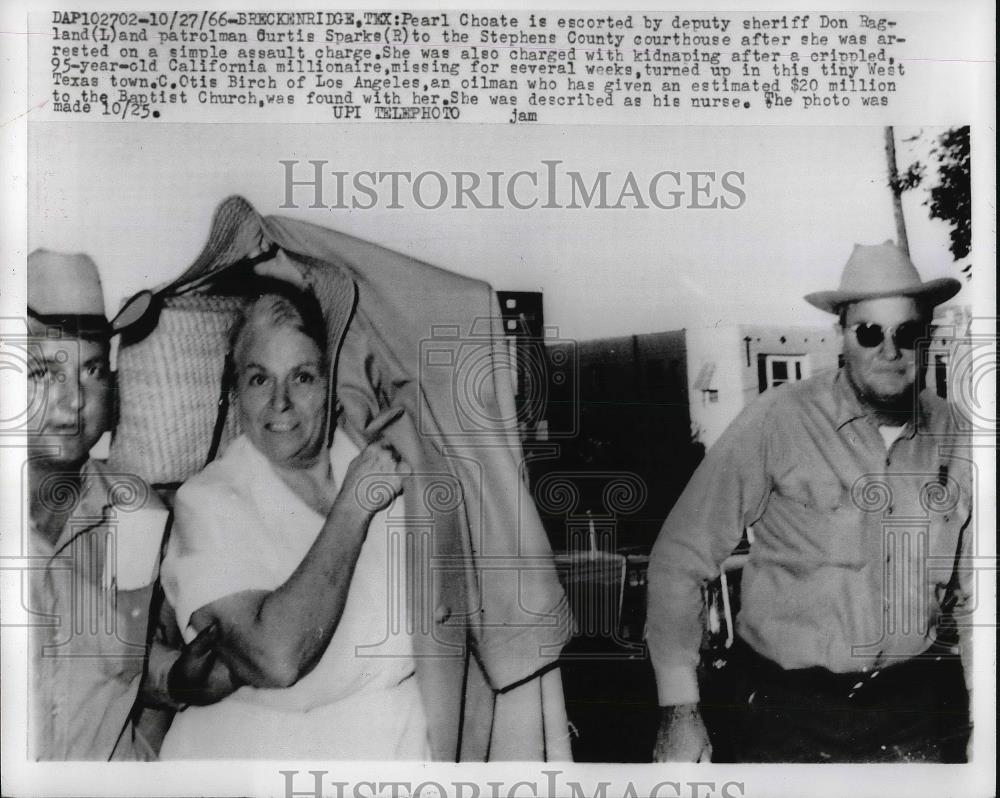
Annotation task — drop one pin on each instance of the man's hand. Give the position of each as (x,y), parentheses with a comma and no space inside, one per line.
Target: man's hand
(682,736)
(199,676)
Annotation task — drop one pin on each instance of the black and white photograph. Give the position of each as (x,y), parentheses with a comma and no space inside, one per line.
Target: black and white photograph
(460,452)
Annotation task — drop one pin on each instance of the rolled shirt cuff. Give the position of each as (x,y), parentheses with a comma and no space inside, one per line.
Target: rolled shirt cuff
(676,685)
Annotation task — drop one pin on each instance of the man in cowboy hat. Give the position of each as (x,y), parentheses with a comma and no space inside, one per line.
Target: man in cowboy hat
(96,536)
(858,501)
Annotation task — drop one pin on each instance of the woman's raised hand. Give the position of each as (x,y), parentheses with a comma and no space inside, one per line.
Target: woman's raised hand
(281,267)
(375,477)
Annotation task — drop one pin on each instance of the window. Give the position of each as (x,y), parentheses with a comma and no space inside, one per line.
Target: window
(705,384)
(775,370)
(941,376)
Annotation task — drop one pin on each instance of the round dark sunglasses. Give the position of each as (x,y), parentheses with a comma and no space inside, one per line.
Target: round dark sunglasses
(904,336)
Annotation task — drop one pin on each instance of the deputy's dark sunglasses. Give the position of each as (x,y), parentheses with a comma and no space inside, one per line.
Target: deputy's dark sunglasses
(904,336)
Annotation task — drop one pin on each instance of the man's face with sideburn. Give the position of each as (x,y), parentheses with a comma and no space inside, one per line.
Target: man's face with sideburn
(879,347)
(71,378)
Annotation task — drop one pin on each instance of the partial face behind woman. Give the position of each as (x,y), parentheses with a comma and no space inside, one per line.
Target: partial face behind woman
(281,379)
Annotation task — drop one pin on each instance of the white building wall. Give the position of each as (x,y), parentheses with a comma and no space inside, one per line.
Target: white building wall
(735,351)
(718,345)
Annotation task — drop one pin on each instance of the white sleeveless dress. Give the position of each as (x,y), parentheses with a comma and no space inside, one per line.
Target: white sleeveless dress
(239,527)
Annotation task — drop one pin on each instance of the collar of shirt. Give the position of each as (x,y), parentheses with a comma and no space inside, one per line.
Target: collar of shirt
(848,408)
(91,510)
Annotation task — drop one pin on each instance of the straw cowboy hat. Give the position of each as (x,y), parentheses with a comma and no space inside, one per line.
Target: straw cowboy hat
(64,291)
(880,271)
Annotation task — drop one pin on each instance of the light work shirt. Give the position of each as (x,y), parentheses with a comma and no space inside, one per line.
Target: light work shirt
(854,543)
(90,598)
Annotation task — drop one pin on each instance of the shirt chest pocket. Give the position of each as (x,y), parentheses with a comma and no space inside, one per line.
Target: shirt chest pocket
(819,522)
(818,495)
(946,515)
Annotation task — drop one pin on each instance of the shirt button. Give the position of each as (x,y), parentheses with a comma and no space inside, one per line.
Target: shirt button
(136,612)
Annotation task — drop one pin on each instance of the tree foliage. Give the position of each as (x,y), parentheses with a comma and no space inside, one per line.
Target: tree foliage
(950,198)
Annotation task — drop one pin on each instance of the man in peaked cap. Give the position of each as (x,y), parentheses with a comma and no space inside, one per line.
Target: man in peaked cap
(96,536)
(858,501)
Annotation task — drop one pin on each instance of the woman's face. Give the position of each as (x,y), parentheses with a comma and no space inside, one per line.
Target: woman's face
(281,385)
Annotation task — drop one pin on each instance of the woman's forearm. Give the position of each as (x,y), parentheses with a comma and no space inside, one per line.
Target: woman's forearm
(272,639)
(280,637)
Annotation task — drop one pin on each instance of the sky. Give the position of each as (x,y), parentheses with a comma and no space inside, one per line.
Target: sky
(139,200)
